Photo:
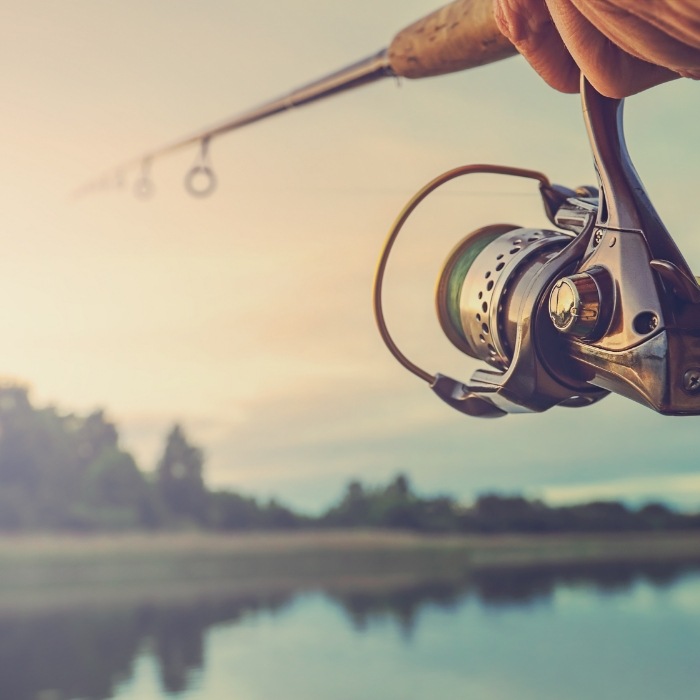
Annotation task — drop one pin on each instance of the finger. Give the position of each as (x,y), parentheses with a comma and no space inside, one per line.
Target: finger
(665,33)
(678,19)
(612,71)
(528,25)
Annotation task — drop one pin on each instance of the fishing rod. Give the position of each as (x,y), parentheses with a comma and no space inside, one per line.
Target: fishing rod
(456,37)
(605,302)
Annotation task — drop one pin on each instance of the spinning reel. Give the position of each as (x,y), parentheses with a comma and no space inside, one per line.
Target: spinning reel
(606,303)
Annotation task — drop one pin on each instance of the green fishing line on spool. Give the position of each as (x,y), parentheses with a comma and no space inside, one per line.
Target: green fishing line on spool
(459,263)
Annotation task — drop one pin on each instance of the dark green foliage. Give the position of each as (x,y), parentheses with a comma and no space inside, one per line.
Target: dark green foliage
(179,479)
(493,513)
(114,494)
(231,511)
(66,472)
(392,506)
(656,516)
(275,516)
(396,506)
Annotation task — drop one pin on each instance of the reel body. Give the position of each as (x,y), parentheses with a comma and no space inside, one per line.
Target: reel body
(606,303)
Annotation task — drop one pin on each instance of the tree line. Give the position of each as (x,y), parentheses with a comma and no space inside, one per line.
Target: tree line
(65,472)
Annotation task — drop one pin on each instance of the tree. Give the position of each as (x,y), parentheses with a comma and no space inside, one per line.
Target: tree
(495,513)
(48,460)
(179,478)
(94,435)
(231,511)
(394,506)
(114,494)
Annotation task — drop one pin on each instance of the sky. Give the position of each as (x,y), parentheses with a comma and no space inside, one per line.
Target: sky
(247,316)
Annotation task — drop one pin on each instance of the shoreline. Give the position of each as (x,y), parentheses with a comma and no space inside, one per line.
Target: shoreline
(49,571)
(479,549)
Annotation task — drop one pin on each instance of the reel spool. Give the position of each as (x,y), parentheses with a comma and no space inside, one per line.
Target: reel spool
(479,285)
(564,317)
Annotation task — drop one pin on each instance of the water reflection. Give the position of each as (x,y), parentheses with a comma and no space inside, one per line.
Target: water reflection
(88,654)
(502,586)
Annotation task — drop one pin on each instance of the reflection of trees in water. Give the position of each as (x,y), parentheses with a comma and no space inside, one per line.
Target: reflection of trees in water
(177,633)
(88,654)
(83,656)
(521,586)
(364,607)
(503,586)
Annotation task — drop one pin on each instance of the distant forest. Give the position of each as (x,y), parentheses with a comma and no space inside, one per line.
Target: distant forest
(63,472)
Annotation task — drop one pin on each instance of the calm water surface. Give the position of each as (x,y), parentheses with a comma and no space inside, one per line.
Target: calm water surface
(609,632)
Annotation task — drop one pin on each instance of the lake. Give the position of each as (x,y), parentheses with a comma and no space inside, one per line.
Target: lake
(595,632)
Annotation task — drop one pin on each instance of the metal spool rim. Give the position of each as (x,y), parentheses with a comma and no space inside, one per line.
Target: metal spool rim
(476,241)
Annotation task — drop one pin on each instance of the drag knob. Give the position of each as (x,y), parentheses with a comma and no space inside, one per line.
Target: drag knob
(574,305)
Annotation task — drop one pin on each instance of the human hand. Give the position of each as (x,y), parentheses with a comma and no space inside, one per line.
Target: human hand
(621,46)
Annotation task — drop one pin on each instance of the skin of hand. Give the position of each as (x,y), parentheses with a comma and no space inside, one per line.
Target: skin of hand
(621,46)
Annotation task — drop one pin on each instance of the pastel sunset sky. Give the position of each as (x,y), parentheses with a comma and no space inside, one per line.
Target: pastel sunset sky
(247,316)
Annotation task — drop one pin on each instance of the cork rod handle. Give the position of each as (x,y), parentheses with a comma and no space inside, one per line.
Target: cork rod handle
(460,35)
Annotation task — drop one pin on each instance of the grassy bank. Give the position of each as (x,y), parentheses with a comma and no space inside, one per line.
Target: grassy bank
(97,568)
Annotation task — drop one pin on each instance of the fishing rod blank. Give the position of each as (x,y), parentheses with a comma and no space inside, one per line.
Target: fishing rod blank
(456,37)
